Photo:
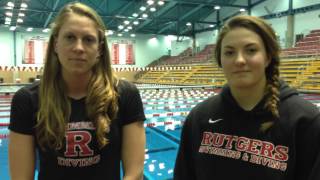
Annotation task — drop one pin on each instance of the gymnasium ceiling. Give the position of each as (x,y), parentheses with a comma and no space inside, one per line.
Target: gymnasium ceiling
(167,19)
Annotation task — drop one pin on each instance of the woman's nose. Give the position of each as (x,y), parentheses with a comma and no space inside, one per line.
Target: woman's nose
(240,59)
(78,46)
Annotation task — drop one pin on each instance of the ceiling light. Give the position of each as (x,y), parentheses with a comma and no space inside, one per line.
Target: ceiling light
(108,32)
(7,19)
(129,27)
(142,8)
(46,30)
(144,15)
(242,10)
(160,3)
(126,30)
(135,22)
(135,15)
(188,24)
(21,14)
(23,5)
(217,7)
(152,9)
(12,28)
(29,29)
(120,34)
(9,14)
(132,35)
(126,22)
(10,4)
(150,2)
(7,22)
(120,27)
(19,20)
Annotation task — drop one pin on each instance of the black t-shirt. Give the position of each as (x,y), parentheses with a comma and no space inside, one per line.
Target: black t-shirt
(80,158)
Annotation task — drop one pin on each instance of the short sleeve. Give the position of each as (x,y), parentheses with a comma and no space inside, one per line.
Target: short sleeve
(130,103)
(21,113)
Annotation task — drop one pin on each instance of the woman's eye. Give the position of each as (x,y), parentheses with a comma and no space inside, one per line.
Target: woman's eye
(251,50)
(228,53)
(69,37)
(89,40)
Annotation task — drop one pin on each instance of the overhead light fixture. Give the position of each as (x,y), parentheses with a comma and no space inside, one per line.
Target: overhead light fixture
(135,22)
(150,2)
(108,33)
(7,19)
(217,7)
(188,24)
(129,27)
(160,3)
(7,22)
(9,14)
(21,14)
(119,34)
(144,15)
(46,30)
(120,27)
(135,15)
(126,22)
(10,4)
(153,9)
(242,10)
(19,20)
(126,30)
(132,35)
(29,29)
(142,8)
(12,28)
(23,5)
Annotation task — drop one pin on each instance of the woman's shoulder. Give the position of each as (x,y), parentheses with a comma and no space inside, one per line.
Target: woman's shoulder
(297,106)
(29,91)
(211,105)
(127,92)
(124,86)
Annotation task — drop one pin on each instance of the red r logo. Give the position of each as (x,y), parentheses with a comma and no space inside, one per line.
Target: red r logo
(79,139)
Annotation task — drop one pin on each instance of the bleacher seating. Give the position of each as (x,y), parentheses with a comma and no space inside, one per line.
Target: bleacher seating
(306,47)
(303,74)
(201,74)
(187,57)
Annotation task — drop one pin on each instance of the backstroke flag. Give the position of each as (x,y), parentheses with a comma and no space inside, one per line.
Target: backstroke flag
(34,51)
(122,54)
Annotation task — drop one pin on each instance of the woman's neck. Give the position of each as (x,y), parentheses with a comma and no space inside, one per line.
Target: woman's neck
(77,85)
(249,97)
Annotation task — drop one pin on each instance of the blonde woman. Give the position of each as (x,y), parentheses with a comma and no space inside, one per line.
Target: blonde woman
(257,127)
(80,118)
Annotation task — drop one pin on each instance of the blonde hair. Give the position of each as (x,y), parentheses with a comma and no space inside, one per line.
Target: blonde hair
(54,105)
(269,38)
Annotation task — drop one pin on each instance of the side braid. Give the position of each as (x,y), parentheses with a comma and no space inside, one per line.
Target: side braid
(273,100)
(273,88)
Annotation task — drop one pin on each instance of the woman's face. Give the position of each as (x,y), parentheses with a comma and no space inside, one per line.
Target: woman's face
(77,45)
(244,58)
